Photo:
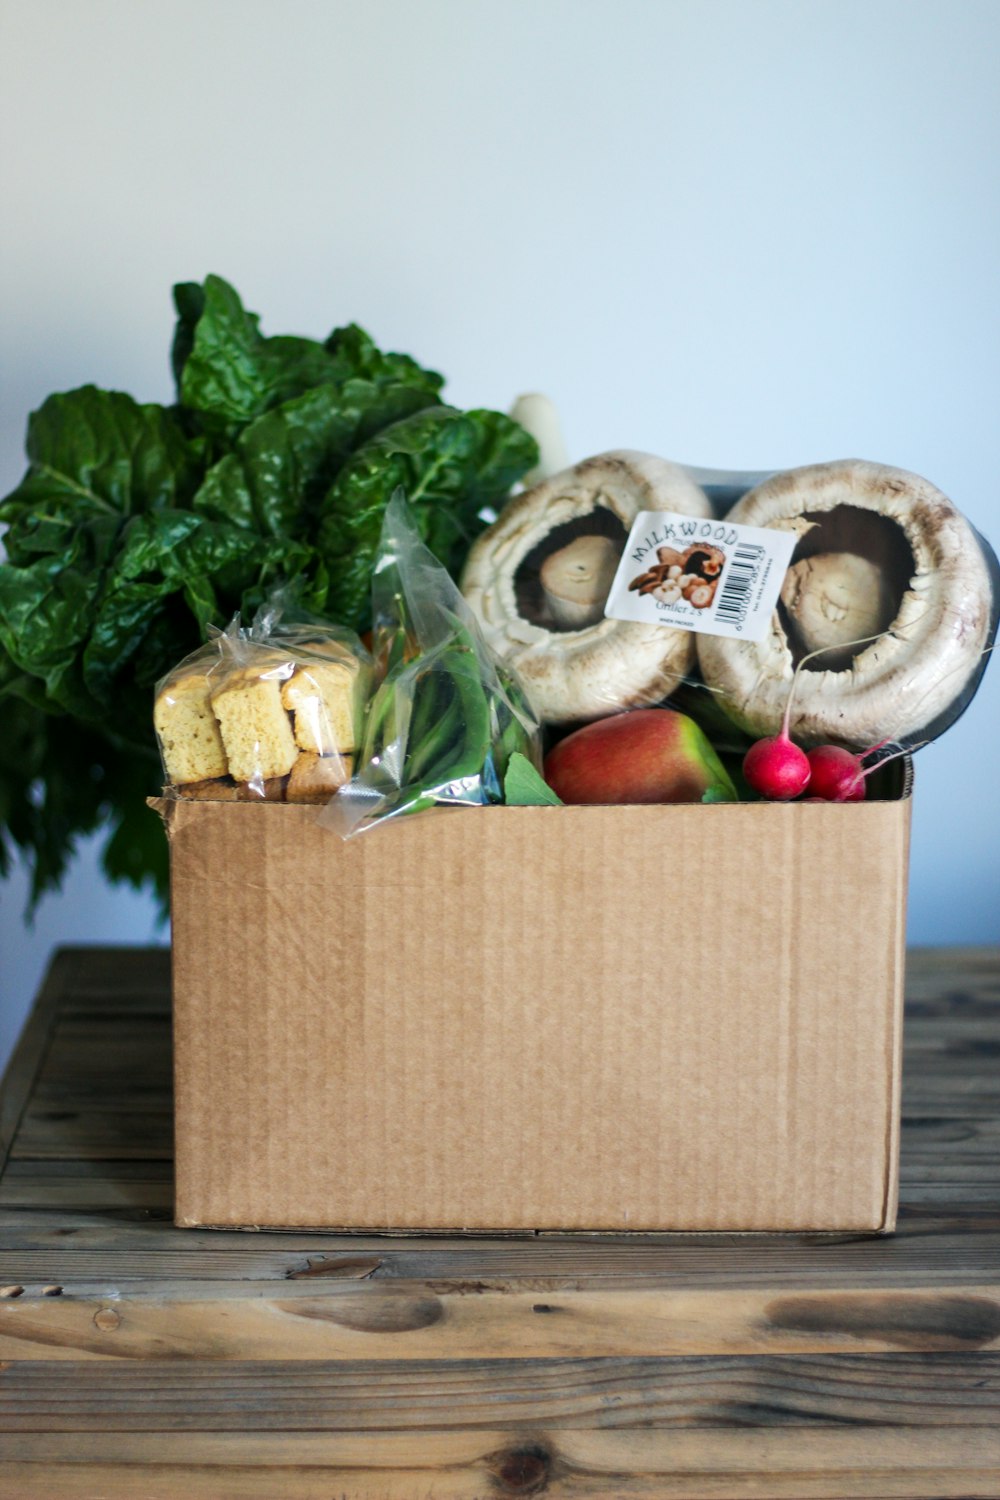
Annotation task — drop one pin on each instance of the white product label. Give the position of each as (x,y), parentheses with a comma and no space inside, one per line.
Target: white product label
(711,576)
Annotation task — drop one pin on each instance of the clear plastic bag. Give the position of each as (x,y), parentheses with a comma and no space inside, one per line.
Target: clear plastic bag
(448,714)
(271,713)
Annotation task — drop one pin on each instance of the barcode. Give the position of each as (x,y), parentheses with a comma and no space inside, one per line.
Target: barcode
(734,600)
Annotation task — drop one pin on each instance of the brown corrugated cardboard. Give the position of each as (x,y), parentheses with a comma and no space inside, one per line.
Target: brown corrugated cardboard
(589,1018)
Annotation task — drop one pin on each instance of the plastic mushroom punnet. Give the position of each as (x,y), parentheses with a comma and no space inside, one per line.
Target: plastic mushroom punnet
(881,553)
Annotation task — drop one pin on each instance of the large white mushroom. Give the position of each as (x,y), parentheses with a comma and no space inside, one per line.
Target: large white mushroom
(539,579)
(881,553)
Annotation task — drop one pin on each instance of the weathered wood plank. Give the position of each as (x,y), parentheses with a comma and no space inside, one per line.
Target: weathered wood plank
(91,1195)
(26,1185)
(204,1320)
(105,972)
(22,1072)
(662,1366)
(109,1061)
(663,1464)
(66,1135)
(577,1267)
(87,1258)
(940,971)
(937,1390)
(56,1171)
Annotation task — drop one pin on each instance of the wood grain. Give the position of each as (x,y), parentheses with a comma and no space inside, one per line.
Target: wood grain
(22,1073)
(366,1321)
(676,1465)
(908,1390)
(141,1360)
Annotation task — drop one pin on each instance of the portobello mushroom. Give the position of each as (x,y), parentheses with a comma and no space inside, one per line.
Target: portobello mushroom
(881,553)
(539,578)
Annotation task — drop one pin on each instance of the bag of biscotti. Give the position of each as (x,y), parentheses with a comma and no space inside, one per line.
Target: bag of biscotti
(272,711)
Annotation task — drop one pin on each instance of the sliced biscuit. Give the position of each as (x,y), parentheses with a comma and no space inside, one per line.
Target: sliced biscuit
(323,696)
(315,778)
(189,735)
(255,728)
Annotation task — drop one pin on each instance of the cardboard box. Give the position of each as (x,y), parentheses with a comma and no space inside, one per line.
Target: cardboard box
(586,1018)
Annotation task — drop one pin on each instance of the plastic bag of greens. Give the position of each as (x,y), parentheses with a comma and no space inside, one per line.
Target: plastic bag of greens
(448,713)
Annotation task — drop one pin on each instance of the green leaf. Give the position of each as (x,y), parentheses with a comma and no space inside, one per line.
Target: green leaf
(46,610)
(218,356)
(524,786)
(189,300)
(279,463)
(59,781)
(720,793)
(215,568)
(97,458)
(357,356)
(149,566)
(229,373)
(97,454)
(136,851)
(450,464)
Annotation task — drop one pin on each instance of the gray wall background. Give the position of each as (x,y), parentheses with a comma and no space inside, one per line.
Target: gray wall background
(743,235)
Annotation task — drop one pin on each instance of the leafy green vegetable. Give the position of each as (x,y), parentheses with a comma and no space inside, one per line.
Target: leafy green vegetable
(60,780)
(450,464)
(137,526)
(523,786)
(229,373)
(96,459)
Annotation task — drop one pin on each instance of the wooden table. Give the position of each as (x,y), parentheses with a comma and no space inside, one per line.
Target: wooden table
(143,1361)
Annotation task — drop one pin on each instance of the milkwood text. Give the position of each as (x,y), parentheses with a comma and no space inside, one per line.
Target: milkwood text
(686,531)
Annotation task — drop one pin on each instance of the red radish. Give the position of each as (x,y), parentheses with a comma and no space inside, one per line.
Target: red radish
(775,767)
(779,770)
(835,775)
(839,776)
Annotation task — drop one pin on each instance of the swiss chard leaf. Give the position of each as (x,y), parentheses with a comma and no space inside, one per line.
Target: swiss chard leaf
(282,463)
(46,613)
(96,459)
(59,781)
(279,462)
(189,300)
(218,355)
(357,356)
(450,464)
(136,851)
(93,453)
(229,373)
(215,568)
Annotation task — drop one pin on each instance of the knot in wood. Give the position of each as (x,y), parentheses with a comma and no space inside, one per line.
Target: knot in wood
(523,1471)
